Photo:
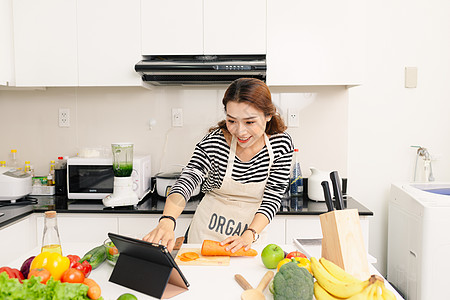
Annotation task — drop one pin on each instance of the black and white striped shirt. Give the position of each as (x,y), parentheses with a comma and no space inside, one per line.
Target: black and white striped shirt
(208,165)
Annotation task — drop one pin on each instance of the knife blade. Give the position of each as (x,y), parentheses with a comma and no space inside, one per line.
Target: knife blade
(334,176)
(327,195)
(178,243)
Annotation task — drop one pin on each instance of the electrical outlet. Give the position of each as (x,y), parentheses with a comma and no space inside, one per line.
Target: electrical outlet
(64,117)
(177,117)
(293,118)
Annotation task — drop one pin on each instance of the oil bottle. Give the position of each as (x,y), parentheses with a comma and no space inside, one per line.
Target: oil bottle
(50,238)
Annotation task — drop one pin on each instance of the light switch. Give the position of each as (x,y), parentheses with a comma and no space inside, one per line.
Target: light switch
(410,77)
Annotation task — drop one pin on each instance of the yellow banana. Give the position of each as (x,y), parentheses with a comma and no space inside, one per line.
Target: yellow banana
(321,294)
(337,271)
(378,294)
(386,293)
(333,285)
(369,293)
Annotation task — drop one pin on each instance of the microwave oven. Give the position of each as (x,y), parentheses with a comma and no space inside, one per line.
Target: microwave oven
(93,178)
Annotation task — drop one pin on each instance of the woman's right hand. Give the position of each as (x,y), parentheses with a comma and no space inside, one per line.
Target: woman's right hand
(163,234)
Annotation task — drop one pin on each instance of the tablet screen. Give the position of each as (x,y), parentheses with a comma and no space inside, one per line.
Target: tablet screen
(148,251)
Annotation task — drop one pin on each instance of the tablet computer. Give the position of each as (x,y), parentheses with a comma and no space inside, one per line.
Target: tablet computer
(154,270)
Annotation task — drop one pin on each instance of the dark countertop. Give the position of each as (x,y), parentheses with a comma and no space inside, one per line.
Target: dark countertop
(150,205)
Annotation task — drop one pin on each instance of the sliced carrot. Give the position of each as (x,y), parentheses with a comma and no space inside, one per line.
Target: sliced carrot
(191,255)
(94,291)
(214,248)
(182,258)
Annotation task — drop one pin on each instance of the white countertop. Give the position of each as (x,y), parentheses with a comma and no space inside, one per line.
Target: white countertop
(206,282)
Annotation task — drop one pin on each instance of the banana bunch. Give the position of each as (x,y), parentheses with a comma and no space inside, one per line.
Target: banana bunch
(333,283)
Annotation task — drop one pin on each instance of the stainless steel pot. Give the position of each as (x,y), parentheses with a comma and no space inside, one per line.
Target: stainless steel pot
(165,181)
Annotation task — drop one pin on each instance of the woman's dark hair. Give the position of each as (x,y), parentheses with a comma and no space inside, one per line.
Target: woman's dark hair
(256,93)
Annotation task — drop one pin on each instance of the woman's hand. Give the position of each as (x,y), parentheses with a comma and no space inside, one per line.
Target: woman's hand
(237,242)
(163,234)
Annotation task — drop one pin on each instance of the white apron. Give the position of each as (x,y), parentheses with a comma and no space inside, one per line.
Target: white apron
(230,209)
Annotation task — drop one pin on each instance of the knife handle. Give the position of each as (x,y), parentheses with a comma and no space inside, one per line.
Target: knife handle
(327,195)
(337,190)
(178,243)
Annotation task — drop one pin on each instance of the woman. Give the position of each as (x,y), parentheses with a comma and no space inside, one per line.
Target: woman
(244,163)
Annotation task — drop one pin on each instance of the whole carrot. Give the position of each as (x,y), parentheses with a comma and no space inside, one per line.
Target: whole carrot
(94,291)
(214,248)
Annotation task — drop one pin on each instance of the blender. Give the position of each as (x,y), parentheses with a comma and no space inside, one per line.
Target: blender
(123,193)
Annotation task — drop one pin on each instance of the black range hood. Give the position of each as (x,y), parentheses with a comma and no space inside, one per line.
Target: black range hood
(200,69)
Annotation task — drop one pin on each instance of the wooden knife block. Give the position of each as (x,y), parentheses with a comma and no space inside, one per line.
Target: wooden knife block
(343,243)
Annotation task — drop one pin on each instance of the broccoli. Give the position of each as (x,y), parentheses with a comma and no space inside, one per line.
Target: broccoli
(292,282)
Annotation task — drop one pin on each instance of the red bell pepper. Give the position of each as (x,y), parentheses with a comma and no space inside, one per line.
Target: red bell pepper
(85,266)
(73,259)
(12,273)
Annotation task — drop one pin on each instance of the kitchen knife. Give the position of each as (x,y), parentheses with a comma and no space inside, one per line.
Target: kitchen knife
(327,194)
(178,243)
(337,190)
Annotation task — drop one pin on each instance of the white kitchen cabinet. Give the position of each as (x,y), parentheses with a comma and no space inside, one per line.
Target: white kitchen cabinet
(76,42)
(81,228)
(234,27)
(109,42)
(172,27)
(17,239)
(45,42)
(6,44)
(139,225)
(315,42)
(178,27)
(276,231)
(308,227)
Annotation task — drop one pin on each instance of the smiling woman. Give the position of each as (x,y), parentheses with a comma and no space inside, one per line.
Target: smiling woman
(243,164)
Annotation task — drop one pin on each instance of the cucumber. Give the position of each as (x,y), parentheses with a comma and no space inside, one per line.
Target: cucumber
(95,256)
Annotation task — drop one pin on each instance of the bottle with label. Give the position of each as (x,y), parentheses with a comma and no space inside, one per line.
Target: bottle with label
(61,176)
(296,184)
(2,163)
(50,239)
(27,168)
(51,174)
(13,161)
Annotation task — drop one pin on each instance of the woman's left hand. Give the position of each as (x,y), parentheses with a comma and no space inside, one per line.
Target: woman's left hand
(237,242)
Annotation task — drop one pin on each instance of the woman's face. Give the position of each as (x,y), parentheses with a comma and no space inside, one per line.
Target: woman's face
(246,123)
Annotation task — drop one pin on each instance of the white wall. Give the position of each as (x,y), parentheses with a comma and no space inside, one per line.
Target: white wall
(385,118)
(101,116)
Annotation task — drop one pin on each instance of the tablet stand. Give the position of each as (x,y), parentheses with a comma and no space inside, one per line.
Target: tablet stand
(156,280)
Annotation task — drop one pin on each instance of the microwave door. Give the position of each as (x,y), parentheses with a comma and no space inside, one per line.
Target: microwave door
(90,182)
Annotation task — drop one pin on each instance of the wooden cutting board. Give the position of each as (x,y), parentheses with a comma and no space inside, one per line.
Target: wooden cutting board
(202,260)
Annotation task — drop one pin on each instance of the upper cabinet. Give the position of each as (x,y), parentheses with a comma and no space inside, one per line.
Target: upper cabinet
(45,42)
(180,27)
(109,42)
(6,44)
(76,42)
(315,42)
(172,27)
(234,27)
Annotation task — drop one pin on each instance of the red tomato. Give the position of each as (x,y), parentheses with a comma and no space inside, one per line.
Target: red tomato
(72,275)
(295,254)
(41,272)
(113,251)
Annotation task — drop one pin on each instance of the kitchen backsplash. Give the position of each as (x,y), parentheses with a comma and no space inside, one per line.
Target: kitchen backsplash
(100,116)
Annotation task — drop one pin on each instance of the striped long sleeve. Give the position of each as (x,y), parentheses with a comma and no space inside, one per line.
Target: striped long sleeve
(209,161)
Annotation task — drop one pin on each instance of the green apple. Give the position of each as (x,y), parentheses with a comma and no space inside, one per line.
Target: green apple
(271,256)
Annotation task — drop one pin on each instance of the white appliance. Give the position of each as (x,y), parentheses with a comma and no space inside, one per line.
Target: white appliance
(93,178)
(419,239)
(14,184)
